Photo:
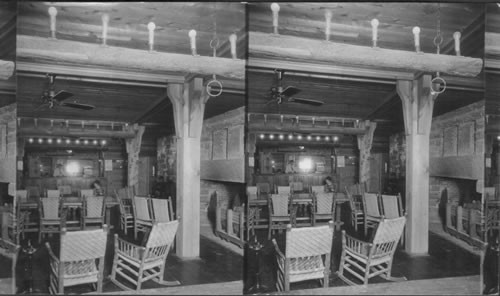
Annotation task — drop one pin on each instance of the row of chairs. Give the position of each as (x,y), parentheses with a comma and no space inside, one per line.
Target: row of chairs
(261,190)
(62,190)
(307,254)
(139,213)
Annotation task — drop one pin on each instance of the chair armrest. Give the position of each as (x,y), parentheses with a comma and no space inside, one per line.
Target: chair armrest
(128,248)
(355,244)
(51,253)
(280,254)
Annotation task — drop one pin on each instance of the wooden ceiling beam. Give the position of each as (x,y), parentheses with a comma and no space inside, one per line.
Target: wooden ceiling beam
(260,127)
(255,63)
(80,53)
(290,47)
(29,131)
(106,75)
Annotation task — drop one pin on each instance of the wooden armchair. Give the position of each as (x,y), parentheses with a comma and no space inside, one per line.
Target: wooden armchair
(126,210)
(357,212)
(16,224)
(392,207)
(365,260)
(143,216)
(93,211)
(11,251)
(52,216)
(283,189)
(372,214)
(279,212)
(27,217)
(252,193)
(306,257)
(323,207)
(33,191)
(138,264)
(263,189)
(80,261)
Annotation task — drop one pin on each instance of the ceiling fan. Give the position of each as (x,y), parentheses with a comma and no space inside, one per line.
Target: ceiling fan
(280,94)
(52,98)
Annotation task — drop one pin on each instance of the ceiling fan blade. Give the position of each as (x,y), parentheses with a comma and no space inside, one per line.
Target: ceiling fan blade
(62,95)
(78,106)
(306,101)
(290,91)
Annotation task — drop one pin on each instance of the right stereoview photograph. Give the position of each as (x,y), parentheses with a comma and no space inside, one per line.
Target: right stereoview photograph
(366,149)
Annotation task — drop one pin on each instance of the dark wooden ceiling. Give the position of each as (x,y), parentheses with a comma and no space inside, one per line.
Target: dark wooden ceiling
(361,97)
(126,99)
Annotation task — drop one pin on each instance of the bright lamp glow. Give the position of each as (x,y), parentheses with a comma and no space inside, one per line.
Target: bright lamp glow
(305,164)
(72,168)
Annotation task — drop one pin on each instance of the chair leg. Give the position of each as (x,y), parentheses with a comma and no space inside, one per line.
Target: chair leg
(139,278)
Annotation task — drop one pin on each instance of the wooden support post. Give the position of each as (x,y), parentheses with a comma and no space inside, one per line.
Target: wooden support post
(189,101)
(365,145)
(133,146)
(418,103)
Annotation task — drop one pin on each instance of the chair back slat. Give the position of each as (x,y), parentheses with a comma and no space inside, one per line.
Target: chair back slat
(94,206)
(279,204)
(141,205)
(87,193)
(22,196)
(389,230)
(324,202)
(297,186)
(83,245)
(252,192)
(309,241)
(263,188)
(162,209)
(53,193)
(283,189)
(65,190)
(317,189)
(162,234)
(391,205)
(50,208)
(371,204)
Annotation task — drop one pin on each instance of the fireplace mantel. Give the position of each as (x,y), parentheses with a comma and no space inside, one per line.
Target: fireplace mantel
(462,167)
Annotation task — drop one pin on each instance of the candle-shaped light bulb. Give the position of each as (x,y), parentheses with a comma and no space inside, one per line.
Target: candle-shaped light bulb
(457,36)
(105,22)
(375,23)
(151,29)
(232,40)
(275,8)
(328,18)
(52,13)
(416,35)
(192,37)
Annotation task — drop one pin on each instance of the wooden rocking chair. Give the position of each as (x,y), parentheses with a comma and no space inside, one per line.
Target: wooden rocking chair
(323,207)
(279,212)
(126,210)
(81,260)
(162,210)
(392,207)
(357,213)
(307,255)
(143,214)
(52,216)
(9,250)
(138,264)
(93,211)
(371,208)
(365,260)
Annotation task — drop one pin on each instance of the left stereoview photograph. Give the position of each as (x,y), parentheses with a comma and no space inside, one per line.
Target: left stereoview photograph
(130,146)
(9,248)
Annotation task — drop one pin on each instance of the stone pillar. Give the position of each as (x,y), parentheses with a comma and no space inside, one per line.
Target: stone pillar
(188,102)
(365,145)
(418,103)
(133,146)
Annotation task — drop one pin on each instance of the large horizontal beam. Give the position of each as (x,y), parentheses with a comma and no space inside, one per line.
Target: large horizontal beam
(261,127)
(281,46)
(73,132)
(81,53)
(6,69)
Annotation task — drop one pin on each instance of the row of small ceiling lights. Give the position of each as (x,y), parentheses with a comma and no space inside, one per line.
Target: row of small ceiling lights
(66,141)
(298,137)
